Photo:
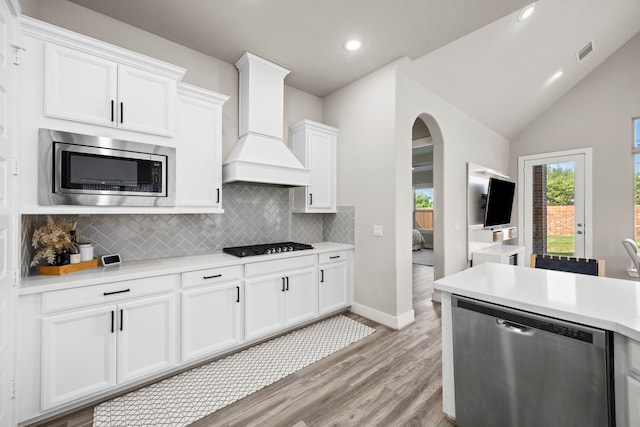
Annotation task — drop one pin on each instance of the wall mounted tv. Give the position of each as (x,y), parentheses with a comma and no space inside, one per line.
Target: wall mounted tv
(499,202)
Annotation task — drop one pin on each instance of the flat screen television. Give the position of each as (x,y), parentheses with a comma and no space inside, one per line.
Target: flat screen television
(499,202)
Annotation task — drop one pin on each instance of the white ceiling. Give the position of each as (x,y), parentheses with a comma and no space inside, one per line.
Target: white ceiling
(473,53)
(500,74)
(306,36)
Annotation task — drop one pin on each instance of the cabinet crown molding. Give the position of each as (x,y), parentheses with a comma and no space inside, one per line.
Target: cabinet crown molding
(53,34)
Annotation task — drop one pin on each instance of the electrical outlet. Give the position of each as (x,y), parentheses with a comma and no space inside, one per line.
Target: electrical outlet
(377,230)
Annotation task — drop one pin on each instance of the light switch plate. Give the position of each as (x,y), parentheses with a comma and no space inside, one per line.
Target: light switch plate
(377,230)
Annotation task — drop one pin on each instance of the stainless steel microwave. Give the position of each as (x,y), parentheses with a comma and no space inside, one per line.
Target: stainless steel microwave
(77,169)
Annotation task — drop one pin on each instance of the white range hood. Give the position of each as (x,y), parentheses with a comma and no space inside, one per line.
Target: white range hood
(260,155)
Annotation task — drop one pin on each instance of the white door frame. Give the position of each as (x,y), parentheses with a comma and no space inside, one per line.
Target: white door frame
(587,152)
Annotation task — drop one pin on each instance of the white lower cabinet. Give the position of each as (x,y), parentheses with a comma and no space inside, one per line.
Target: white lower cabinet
(279,294)
(88,350)
(334,284)
(78,355)
(633,391)
(211,312)
(146,337)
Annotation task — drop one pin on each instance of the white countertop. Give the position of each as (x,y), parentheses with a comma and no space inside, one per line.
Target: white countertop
(602,302)
(129,270)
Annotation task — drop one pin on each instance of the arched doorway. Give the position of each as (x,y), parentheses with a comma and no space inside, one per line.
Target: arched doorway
(426,172)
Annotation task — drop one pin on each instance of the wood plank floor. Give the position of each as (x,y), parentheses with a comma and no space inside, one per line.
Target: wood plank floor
(391,378)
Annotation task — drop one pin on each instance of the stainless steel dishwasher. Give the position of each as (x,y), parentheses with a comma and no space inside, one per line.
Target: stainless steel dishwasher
(518,369)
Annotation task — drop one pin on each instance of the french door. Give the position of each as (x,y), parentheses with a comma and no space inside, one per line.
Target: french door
(555,203)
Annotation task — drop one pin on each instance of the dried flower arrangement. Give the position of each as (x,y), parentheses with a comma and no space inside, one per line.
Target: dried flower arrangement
(52,239)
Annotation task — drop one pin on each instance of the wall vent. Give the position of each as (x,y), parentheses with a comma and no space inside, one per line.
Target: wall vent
(585,51)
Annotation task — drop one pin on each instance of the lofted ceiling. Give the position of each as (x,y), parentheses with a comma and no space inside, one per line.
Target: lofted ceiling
(307,36)
(473,53)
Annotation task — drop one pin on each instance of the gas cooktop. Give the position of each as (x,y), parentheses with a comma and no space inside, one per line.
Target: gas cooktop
(266,249)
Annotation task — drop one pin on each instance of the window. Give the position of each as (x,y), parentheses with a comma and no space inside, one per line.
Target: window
(636,158)
(423,208)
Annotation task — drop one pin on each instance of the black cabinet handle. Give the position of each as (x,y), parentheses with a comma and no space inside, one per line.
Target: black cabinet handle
(121,325)
(283,284)
(334,257)
(116,292)
(112,320)
(215,276)
(238,294)
(112,112)
(122,112)
(321,276)
(287,283)
(218,197)
(310,199)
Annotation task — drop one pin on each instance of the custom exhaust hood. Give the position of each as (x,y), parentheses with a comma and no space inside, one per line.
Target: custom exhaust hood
(260,155)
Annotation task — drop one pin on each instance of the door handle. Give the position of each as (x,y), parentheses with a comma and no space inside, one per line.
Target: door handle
(112,112)
(287,283)
(122,112)
(112,321)
(321,276)
(212,277)
(238,294)
(514,327)
(283,285)
(121,325)
(310,199)
(579,232)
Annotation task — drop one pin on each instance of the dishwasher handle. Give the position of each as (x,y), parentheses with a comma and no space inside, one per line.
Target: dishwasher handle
(514,327)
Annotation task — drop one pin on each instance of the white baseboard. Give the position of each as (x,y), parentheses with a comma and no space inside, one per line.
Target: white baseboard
(393,322)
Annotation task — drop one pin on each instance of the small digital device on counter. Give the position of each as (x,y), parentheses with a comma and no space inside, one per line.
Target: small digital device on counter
(112,259)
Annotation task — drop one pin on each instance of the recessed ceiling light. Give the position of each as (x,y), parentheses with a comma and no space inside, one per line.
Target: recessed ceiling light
(353,45)
(526,12)
(557,75)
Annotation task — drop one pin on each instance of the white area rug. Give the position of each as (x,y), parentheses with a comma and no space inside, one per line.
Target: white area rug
(187,397)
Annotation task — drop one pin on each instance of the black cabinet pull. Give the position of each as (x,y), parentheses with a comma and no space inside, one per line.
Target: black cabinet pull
(218,197)
(310,199)
(112,320)
(112,112)
(121,112)
(334,257)
(116,292)
(237,293)
(215,276)
(321,276)
(121,319)
(283,281)
(287,283)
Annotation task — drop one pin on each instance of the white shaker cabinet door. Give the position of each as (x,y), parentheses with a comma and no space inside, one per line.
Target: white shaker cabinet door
(264,305)
(301,293)
(211,319)
(79,86)
(334,287)
(78,355)
(146,336)
(633,392)
(146,101)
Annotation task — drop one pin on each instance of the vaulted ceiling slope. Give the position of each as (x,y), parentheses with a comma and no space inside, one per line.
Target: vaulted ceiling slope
(503,73)
(307,36)
(475,54)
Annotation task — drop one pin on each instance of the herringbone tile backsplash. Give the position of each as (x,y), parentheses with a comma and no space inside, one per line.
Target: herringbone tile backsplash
(253,214)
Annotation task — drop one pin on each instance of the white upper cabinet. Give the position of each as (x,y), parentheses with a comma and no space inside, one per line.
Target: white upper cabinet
(199,148)
(314,144)
(92,89)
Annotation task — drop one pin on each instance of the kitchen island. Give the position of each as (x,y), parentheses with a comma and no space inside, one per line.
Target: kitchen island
(600,302)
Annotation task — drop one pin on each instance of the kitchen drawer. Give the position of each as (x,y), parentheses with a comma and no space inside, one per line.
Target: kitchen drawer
(279,266)
(334,257)
(108,292)
(210,276)
(634,356)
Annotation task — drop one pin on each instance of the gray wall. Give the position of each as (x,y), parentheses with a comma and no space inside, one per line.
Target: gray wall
(598,113)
